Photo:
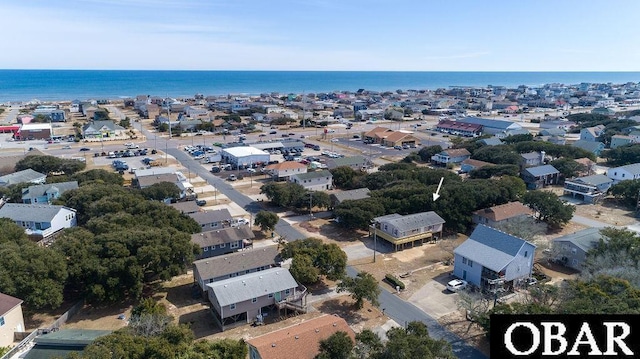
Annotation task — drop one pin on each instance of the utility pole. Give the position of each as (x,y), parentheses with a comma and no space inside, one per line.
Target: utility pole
(375,240)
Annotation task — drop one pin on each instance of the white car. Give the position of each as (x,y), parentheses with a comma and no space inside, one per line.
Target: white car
(456,285)
(335,140)
(251,170)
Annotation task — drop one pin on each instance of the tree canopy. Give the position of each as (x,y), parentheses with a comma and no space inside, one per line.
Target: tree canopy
(363,286)
(323,258)
(47,164)
(549,208)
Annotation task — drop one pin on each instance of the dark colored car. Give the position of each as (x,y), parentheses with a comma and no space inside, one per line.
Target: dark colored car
(83,149)
(201,202)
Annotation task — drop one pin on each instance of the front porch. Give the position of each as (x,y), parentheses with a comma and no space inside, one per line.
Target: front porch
(402,242)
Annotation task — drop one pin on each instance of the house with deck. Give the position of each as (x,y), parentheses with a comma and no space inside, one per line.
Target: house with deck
(314,181)
(540,176)
(236,264)
(210,220)
(491,259)
(589,189)
(622,173)
(45,193)
(453,156)
(243,299)
(217,242)
(40,221)
(401,230)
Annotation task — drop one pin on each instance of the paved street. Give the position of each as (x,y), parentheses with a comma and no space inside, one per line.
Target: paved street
(396,308)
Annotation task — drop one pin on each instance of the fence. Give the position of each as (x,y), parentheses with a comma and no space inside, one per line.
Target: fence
(24,343)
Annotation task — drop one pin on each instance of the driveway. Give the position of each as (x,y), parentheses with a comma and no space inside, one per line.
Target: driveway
(434,299)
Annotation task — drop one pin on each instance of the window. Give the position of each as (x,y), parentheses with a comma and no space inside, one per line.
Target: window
(526,254)
(470,263)
(287,292)
(234,245)
(232,306)
(253,300)
(464,260)
(223,245)
(205,249)
(270,295)
(1,321)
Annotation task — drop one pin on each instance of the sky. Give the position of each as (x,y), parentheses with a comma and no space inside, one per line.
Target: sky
(345,35)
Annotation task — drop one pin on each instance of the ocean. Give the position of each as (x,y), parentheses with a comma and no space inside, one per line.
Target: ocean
(61,85)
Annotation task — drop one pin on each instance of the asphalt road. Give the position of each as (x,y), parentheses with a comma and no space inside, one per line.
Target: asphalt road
(395,307)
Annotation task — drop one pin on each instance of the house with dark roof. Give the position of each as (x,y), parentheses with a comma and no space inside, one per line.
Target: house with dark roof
(350,195)
(240,300)
(314,181)
(623,173)
(459,128)
(503,213)
(354,162)
(491,141)
(216,219)
(222,241)
(401,230)
(103,129)
(61,343)
(39,220)
(571,250)
(11,319)
(540,176)
(236,264)
(492,259)
(186,207)
(453,155)
(301,340)
(45,193)
(589,189)
(24,176)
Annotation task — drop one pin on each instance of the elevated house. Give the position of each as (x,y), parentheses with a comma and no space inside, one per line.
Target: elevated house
(571,250)
(401,230)
(453,156)
(301,340)
(314,181)
(592,134)
(11,319)
(284,170)
(459,128)
(594,147)
(213,219)
(540,176)
(241,300)
(39,221)
(532,159)
(622,173)
(222,241)
(24,176)
(493,260)
(235,264)
(500,214)
(45,193)
(589,189)
(350,195)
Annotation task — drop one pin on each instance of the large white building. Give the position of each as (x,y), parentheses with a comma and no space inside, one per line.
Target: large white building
(245,155)
(622,173)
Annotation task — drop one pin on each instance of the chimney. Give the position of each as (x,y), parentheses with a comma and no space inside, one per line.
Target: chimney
(542,155)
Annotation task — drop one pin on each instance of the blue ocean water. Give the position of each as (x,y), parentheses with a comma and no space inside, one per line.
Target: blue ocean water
(51,85)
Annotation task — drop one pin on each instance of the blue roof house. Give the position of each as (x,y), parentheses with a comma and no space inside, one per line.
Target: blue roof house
(491,258)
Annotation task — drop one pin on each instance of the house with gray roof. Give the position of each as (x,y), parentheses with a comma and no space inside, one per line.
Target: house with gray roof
(452,155)
(222,241)
(401,230)
(24,176)
(103,129)
(491,141)
(540,176)
(186,207)
(235,264)
(493,259)
(216,219)
(355,162)
(314,181)
(45,193)
(559,132)
(571,250)
(499,128)
(594,147)
(591,134)
(532,159)
(240,300)
(623,173)
(350,195)
(620,140)
(39,220)
(589,189)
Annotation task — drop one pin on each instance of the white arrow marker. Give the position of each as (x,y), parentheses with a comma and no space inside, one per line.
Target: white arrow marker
(436,195)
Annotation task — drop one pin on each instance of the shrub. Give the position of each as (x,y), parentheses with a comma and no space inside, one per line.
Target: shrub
(395,282)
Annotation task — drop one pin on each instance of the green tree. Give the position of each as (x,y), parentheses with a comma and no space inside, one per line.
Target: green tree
(414,342)
(367,345)
(266,220)
(283,194)
(303,270)
(338,346)
(125,122)
(329,259)
(501,155)
(549,208)
(47,164)
(623,155)
(427,152)
(626,191)
(98,175)
(357,214)
(344,176)
(568,167)
(363,286)
(161,191)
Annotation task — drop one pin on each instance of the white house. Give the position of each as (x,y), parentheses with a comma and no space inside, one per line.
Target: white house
(628,172)
(38,219)
(11,319)
(314,181)
(490,258)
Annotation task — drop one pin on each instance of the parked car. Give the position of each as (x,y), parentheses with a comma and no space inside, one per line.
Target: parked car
(251,170)
(67,147)
(335,140)
(215,169)
(201,202)
(273,132)
(232,178)
(456,285)
(397,147)
(84,149)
